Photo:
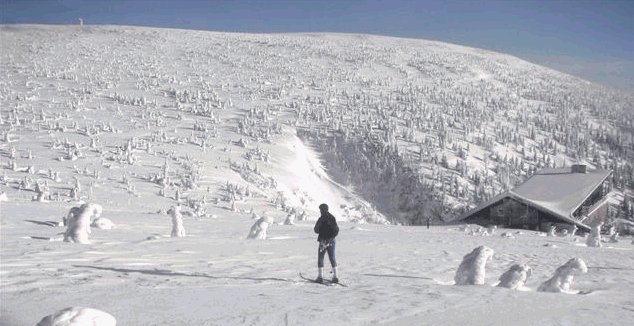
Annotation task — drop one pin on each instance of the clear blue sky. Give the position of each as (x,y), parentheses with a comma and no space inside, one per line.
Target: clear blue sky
(590,38)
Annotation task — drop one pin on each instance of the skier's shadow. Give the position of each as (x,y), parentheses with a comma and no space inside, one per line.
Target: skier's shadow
(165,272)
(399,276)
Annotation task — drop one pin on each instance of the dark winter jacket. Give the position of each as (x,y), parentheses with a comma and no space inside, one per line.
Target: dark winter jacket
(327,227)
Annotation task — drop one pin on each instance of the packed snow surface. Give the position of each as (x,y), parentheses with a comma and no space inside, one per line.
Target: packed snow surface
(215,276)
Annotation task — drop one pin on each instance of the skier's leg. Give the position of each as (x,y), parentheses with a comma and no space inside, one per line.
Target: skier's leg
(331,254)
(333,261)
(320,264)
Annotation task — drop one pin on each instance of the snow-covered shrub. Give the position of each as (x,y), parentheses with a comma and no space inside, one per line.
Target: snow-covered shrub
(78,222)
(552,231)
(614,238)
(259,228)
(594,239)
(78,316)
(562,279)
(178,230)
(507,235)
(472,269)
(516,276)
(103,223)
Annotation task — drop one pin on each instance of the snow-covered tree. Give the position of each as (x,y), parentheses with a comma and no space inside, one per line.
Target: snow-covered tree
(260,228)
(472,269)
(178,230)
(290,219)
(594,239)
(42,191)
(78,222)
(563,277)
(516,276)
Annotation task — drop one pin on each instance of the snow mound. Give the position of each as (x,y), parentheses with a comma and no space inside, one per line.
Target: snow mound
(472,269)
(78,316)
(103,224)
(562,279)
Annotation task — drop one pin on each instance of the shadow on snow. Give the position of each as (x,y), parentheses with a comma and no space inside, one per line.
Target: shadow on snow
(165,272)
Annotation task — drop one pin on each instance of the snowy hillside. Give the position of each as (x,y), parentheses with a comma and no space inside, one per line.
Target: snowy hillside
(239,128)
(390,117)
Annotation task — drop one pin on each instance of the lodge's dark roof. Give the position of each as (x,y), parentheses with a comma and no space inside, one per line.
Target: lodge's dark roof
(556,191)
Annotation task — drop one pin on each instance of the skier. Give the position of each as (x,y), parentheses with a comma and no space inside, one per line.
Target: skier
(327,229)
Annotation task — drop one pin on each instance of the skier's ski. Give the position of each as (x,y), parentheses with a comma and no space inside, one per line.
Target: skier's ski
(325,281)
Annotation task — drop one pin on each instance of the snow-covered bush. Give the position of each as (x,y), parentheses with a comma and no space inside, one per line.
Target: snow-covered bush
(178,230)
(78,222)
(516,276)
(552,231)
(78,316)
(562,279)
(594,239)
(259,228)
(472,269)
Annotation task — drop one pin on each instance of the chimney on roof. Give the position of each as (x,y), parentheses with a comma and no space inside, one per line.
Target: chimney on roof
(578,168)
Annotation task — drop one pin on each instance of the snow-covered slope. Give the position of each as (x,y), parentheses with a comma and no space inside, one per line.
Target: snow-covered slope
(470,123)
(240,126)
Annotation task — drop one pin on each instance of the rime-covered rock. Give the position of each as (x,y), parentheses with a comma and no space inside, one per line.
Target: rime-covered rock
(472,269)
(78,316)
(515,277)
(562,279)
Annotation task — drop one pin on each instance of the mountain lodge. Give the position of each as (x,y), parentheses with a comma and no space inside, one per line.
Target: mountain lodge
(568,196)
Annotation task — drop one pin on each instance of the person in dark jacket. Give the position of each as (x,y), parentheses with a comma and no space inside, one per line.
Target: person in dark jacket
(327,229)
